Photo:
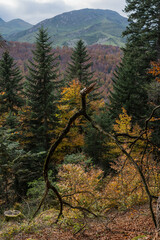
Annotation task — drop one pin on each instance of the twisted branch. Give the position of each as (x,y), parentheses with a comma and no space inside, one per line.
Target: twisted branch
(48,184)
(52,149)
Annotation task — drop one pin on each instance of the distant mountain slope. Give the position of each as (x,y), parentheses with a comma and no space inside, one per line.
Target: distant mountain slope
(91,25)
(13,27)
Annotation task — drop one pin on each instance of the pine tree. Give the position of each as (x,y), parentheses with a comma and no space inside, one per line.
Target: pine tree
(10,89)
(41,92)
(143,46)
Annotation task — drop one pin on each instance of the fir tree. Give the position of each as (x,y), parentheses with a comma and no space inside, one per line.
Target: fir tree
(143,46)
(41,88)
(10,89)
(80,68)
(80,65)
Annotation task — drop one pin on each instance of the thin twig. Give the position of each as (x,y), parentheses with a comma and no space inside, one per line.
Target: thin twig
(80,208)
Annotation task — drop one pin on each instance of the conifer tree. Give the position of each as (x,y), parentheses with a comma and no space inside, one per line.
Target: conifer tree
(80,65)
(80,68)
(143,46)
(10,89)
(41,87)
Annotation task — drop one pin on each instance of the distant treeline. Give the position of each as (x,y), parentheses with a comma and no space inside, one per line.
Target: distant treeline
(104,58)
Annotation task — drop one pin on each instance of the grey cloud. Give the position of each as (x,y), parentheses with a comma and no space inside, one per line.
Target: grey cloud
(116,5)
(34,12)
(7,13)
(40,11)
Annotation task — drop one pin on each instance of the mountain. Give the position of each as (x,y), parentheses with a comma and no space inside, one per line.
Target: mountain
(13,27)
(92,25)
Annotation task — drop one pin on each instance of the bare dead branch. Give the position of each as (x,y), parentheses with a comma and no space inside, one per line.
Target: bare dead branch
(54,146)
(150,117)
(79,192)
(80,208)
(114,138)
(82,112)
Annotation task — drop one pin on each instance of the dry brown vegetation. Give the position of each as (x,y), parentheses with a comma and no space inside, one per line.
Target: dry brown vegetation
(117,226)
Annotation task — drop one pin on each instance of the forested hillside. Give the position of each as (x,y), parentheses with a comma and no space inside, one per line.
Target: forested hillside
(79,135)
(91,25)
(104,58)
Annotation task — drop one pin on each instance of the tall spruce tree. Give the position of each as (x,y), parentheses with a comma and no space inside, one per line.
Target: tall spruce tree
(143,46)
(41,87)
(80,68)
(80,65)
(10,89)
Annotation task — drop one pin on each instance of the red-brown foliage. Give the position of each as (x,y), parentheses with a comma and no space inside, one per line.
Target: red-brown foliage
(104,58)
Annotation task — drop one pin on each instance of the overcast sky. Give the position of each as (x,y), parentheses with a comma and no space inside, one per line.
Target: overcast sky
(34,11)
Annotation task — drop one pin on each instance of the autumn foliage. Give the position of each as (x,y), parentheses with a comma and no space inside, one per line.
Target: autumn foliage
(85,186)
(67,106)
(81,184)
(155,70)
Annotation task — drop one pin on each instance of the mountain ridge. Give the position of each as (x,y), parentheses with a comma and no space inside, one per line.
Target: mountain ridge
(91,25)
(13,26)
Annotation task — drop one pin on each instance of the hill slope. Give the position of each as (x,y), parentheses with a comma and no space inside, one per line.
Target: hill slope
(13,27)
(91,25)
